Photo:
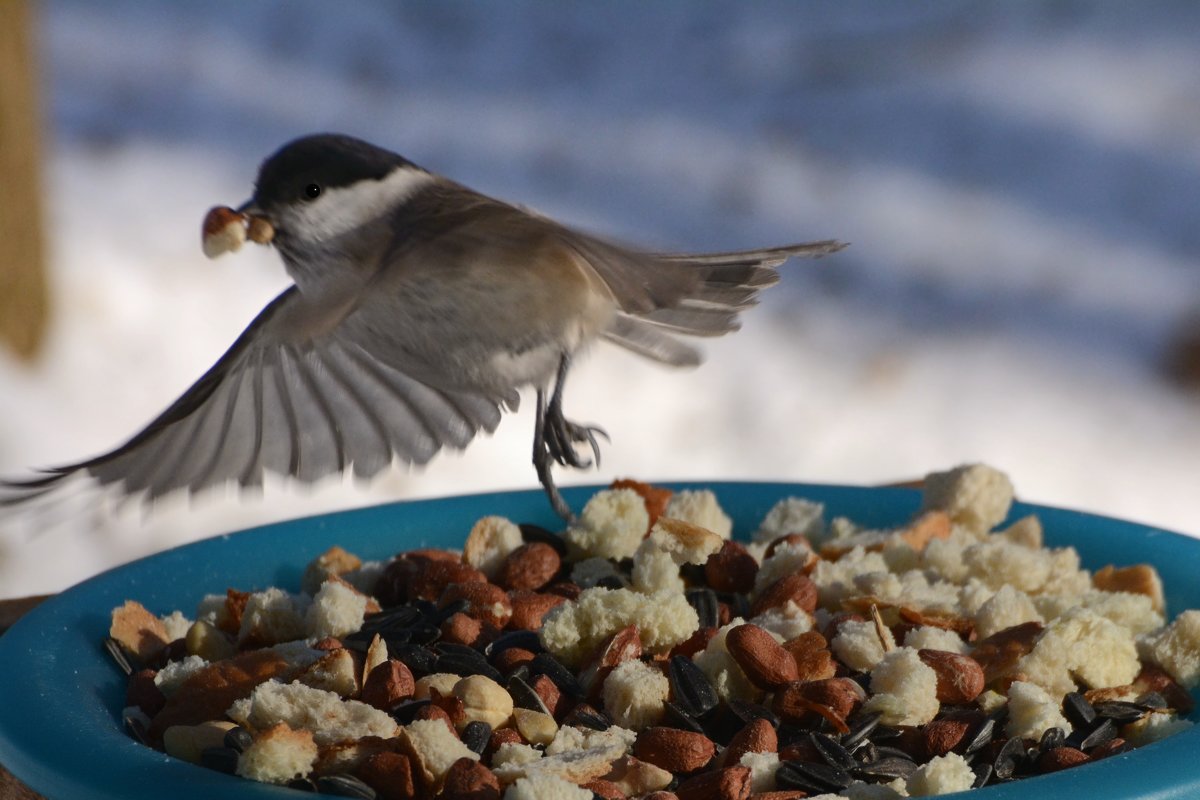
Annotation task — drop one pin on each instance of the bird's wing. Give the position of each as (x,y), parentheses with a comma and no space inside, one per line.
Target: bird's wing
(295,395)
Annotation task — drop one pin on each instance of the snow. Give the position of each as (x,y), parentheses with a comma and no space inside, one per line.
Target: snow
(1019,183)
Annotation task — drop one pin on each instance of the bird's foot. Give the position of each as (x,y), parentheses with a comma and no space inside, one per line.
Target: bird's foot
(562,435)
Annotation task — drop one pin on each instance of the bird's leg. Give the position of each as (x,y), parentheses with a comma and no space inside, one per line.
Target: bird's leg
(561,434)
(543,461)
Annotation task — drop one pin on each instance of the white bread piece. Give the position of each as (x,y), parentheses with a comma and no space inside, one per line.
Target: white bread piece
(546,786)
(858,646)
(1081,645)
(273,615)
(927,637)
(176,625)
(835,580)
(687,543)
(941,775)
(512,755)
(277,755)
(700,507)
(655,570)
(788,557)
(171,677)
(784,622)
(612,525)
(762,770)
(569,739)
(573,630)
(334,671)
(1004,609)
(330,718)
(434,748)
(337,610)
(1031,710)
(634,693)
(334,561)
(490,541)
(903,689)
(1176,648)
(792,515)
(974,495)
(1152,727)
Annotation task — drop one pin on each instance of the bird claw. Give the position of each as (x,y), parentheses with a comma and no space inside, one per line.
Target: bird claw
(561,437)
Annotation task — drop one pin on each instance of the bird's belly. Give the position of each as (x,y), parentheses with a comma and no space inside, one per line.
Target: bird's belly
(535,365)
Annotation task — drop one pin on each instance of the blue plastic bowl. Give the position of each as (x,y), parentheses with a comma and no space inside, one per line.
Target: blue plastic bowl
(61,696)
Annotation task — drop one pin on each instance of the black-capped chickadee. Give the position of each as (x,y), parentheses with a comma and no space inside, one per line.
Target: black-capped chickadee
(420,308)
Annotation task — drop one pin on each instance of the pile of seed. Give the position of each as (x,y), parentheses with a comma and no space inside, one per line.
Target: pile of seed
(824,741)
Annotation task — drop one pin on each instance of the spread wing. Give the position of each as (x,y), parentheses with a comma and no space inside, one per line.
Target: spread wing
(295,395)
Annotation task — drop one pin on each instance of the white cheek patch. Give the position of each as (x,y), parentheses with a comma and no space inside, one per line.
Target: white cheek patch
(343,209)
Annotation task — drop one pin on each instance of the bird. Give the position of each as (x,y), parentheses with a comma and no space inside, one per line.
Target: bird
(418,311)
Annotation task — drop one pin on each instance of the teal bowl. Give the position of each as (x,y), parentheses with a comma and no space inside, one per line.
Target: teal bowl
(61,695)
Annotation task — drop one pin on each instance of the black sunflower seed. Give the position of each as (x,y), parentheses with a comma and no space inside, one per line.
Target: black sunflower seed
(422,633)
(886,751)
(690,687)
(1052,737)
(983,774)
(238,738)
(552,668)
(1119,711)
(748,712)
(706,605)
(405,711)
(813,778)
(861,726)
(524,696)
(302,785)
(221,759)
(421,660)
(584,716)
(1106,731)
(118,655)
(393,619)
(458,662)
(1152,701)
(981,736)
(135,724)
(676,717)
(611,582)
(1009,759)
(866,752)
(536,533)
(884,769)
(834,754)
(739,604)
(1078,710)
(526,640)
(476,735)
(447,611)
(344,786)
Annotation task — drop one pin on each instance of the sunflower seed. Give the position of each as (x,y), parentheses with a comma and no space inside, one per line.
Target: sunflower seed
(748,712)
(861,726)
(344,786)
(405,711)
(676,717)
(1119,711)
(457,663)
(526,640)
(118,655)
(1106,731)
(833,753)
(981,736)
(1152,701)
(1078,710)
(136,724)
(584,716)
(552,668)
(421,660)
(524,696)
(446,612)
(885,768)
(691,689)
(1009,759)
(706,605)
(221,759)
(238,739)
(536,533)
(813,778)
(1051,738)
(476,735)
(983,774)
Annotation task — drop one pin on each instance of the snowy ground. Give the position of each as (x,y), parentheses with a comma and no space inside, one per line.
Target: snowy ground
(1020,183)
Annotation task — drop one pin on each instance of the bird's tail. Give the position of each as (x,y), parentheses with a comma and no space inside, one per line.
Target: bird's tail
(728,283)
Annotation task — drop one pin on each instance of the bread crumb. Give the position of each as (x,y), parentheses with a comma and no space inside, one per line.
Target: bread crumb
(974,495)
(1031,710)
(546,787)
(337,610)
(278,755)
(1176,648)
(573,630)
(1081,645)
(793,515)
(700,507)
(941,775)
(490,541)
(903,689)
(326,715)
(634,693)
(857,644)
(612,525)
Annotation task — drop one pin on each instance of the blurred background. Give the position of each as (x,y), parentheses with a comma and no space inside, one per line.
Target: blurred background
(1020,184)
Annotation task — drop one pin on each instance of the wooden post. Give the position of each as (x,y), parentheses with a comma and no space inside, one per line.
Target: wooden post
(23,292)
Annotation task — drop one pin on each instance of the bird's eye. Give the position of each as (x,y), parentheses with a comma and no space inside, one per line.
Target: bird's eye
(312,191)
